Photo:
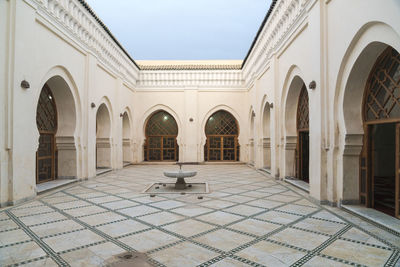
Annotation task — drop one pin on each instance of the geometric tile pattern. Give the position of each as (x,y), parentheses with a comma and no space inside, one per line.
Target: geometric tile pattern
(248,219)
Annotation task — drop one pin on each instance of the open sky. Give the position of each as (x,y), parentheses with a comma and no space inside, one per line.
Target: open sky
(183,29)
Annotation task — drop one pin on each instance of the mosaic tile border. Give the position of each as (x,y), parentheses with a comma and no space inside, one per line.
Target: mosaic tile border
(222,254)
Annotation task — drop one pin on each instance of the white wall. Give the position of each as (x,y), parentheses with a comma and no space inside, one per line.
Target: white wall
(314,40)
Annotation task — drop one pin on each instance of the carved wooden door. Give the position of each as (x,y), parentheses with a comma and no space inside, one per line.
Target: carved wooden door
(397,196)
(46,121)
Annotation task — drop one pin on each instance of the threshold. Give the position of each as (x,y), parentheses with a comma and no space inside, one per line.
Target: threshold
(387,222)
(47,186)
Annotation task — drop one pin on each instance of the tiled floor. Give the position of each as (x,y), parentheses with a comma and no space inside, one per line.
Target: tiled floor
(248,219)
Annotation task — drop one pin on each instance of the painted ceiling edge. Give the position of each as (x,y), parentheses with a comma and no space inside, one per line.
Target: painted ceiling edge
(91,12)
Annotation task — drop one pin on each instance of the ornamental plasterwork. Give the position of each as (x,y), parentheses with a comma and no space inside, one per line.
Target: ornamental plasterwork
(78,19)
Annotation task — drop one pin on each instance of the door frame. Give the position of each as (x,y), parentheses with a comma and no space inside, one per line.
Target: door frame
(366,159)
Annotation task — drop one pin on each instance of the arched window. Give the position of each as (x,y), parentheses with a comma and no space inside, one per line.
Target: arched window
(161,132)
(222,137)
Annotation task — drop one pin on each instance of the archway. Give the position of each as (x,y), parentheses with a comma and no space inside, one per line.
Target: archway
(251,139)
(103,137)
(161,133)
(296,134)
(266,137)
(56,122)
(222,133)
(303,137)
(380,155)
(127,154)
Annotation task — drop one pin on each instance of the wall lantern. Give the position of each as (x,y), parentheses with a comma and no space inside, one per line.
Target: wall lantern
(121,115)
(93,105)
(271,105)
(25,84)
(191,120)
(312,85)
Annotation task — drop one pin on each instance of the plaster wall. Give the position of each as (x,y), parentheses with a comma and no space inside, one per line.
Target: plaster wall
(303,41)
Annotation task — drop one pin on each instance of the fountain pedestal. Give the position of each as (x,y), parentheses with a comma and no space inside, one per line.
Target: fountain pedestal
(180,177)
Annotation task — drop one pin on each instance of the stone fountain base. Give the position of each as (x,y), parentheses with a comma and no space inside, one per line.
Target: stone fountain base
(180,184)
(170,188)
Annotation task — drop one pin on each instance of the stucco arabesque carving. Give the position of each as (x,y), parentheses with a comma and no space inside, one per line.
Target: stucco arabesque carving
(76,20)
(281,22)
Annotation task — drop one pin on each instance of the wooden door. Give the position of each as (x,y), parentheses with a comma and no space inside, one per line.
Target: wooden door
(302,156)
(46,158)
(214,144)
(397,196)
(364,169)
(46,121)
(221,148)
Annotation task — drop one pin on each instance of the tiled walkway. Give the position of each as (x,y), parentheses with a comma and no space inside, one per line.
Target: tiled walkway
(247,219)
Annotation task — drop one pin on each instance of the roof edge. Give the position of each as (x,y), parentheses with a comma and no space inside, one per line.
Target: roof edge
(271,8)
(91,12)
(161,67)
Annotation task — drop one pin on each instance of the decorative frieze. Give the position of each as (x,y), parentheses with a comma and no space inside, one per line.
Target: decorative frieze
(284,16)
(76,17)
(200,78)
(81,22)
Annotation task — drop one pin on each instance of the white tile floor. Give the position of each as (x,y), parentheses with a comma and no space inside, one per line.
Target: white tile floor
(248,219)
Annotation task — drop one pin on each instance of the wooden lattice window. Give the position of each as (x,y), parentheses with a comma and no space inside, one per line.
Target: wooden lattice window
(221,123)
(303,110)
(222,138)
(382,94)
(46,114)
(161,133)
(161,123)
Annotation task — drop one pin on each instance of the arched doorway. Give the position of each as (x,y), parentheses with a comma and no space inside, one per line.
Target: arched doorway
(103,137)
(380,156)
(222,133)
(251,139)
(46,121)
(303,139)
(161,132)
(266,137)
(126,139)
(56,120)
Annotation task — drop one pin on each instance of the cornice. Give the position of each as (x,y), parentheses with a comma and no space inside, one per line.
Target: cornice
(75,19)
(279,23)
(190,67)
(201,78)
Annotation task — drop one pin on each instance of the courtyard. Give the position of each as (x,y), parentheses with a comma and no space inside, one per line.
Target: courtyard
(247,219)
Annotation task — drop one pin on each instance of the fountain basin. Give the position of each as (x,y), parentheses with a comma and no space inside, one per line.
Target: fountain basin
(180,178)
